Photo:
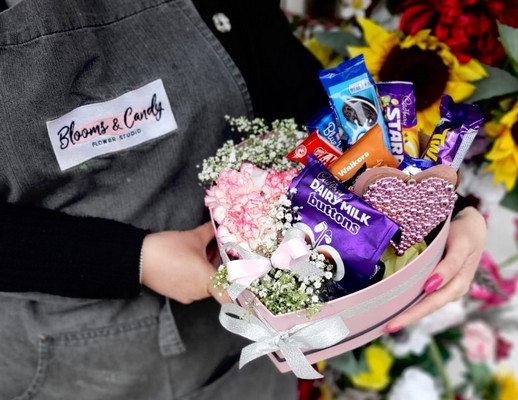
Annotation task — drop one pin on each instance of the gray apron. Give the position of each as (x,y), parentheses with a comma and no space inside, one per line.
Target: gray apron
(59,55)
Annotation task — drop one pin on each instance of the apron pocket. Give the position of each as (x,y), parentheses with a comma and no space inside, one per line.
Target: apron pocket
(103,363)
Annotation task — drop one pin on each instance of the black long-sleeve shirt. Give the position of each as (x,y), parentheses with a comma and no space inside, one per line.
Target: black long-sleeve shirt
(48,251)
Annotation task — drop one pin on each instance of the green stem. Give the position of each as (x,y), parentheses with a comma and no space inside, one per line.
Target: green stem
(435,354)
(509,261)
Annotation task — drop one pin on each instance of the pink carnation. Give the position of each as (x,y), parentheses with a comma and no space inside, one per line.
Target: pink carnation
(479,342)
(231,186)
(278,182)
(243,219)
(240,202)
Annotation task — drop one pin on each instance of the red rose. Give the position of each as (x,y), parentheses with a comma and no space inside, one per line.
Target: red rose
(468,27)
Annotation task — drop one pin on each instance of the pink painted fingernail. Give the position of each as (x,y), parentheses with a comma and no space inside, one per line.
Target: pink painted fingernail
(392,330)
(433,283)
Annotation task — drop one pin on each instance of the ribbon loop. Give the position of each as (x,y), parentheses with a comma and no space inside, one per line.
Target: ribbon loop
(313,335)
(292,253)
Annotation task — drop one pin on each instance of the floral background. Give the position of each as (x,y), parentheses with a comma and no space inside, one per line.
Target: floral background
(469,50)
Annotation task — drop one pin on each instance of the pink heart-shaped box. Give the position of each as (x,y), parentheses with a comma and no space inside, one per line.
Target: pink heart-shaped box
(366,312)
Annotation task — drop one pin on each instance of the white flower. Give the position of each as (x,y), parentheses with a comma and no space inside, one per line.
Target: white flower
(353,8)
(414,383)
(416,337)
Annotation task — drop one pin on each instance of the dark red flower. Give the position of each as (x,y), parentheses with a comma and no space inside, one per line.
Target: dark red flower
(308,389)
(468,27)
(503,348)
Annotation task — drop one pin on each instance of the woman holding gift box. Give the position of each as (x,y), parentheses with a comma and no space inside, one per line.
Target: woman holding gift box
(106,109)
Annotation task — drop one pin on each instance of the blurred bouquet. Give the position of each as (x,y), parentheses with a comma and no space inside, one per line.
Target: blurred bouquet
(467,49)
(456,353)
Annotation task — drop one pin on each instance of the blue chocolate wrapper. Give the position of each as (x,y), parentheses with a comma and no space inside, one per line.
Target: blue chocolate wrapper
(341,225)
(325,124)
(414,165)
(354,99)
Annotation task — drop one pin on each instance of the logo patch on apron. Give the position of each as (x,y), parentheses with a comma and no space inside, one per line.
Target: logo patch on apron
(118,124)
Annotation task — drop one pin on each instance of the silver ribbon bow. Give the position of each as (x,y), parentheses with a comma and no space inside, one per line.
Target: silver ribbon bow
(313,335)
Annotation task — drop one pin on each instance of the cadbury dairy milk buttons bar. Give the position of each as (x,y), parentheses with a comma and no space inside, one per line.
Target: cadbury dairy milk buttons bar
(340,224)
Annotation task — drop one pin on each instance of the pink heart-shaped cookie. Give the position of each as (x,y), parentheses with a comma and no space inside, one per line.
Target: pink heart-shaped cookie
(417,203)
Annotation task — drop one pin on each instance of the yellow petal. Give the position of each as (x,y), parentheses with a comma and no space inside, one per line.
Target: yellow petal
(509,182)
(505,171)
(471,71)
(494,129)
(379,40)
(510,118)
(427,119)
(379,361)
(503,147)
(372,32)
(322,53)
(459,90)
(356,51)
(508,384)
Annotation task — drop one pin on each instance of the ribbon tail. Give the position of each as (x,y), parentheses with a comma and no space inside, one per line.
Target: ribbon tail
(235,289)
(298,363)
(256,350)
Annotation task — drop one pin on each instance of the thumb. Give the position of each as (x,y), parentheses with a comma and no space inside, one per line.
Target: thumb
(205,232)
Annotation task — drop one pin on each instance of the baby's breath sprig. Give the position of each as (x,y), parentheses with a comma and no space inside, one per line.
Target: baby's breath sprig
(265,147)
(281,291)
(220,278)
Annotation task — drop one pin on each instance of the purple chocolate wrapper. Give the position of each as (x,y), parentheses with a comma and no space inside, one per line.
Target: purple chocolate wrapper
(351,229)
(398,103)
(454,133)
(412,164)
(403,92)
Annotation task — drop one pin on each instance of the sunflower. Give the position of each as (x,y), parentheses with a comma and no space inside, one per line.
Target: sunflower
(504,152)
(423,60)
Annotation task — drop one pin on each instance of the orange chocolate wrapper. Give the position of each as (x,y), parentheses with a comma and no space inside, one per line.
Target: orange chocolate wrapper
(370,149)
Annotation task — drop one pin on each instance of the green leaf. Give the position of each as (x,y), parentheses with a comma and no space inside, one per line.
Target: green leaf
(498,83)
(480,376)
(348,364)
(510,200)
(509,39)
(338,41)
